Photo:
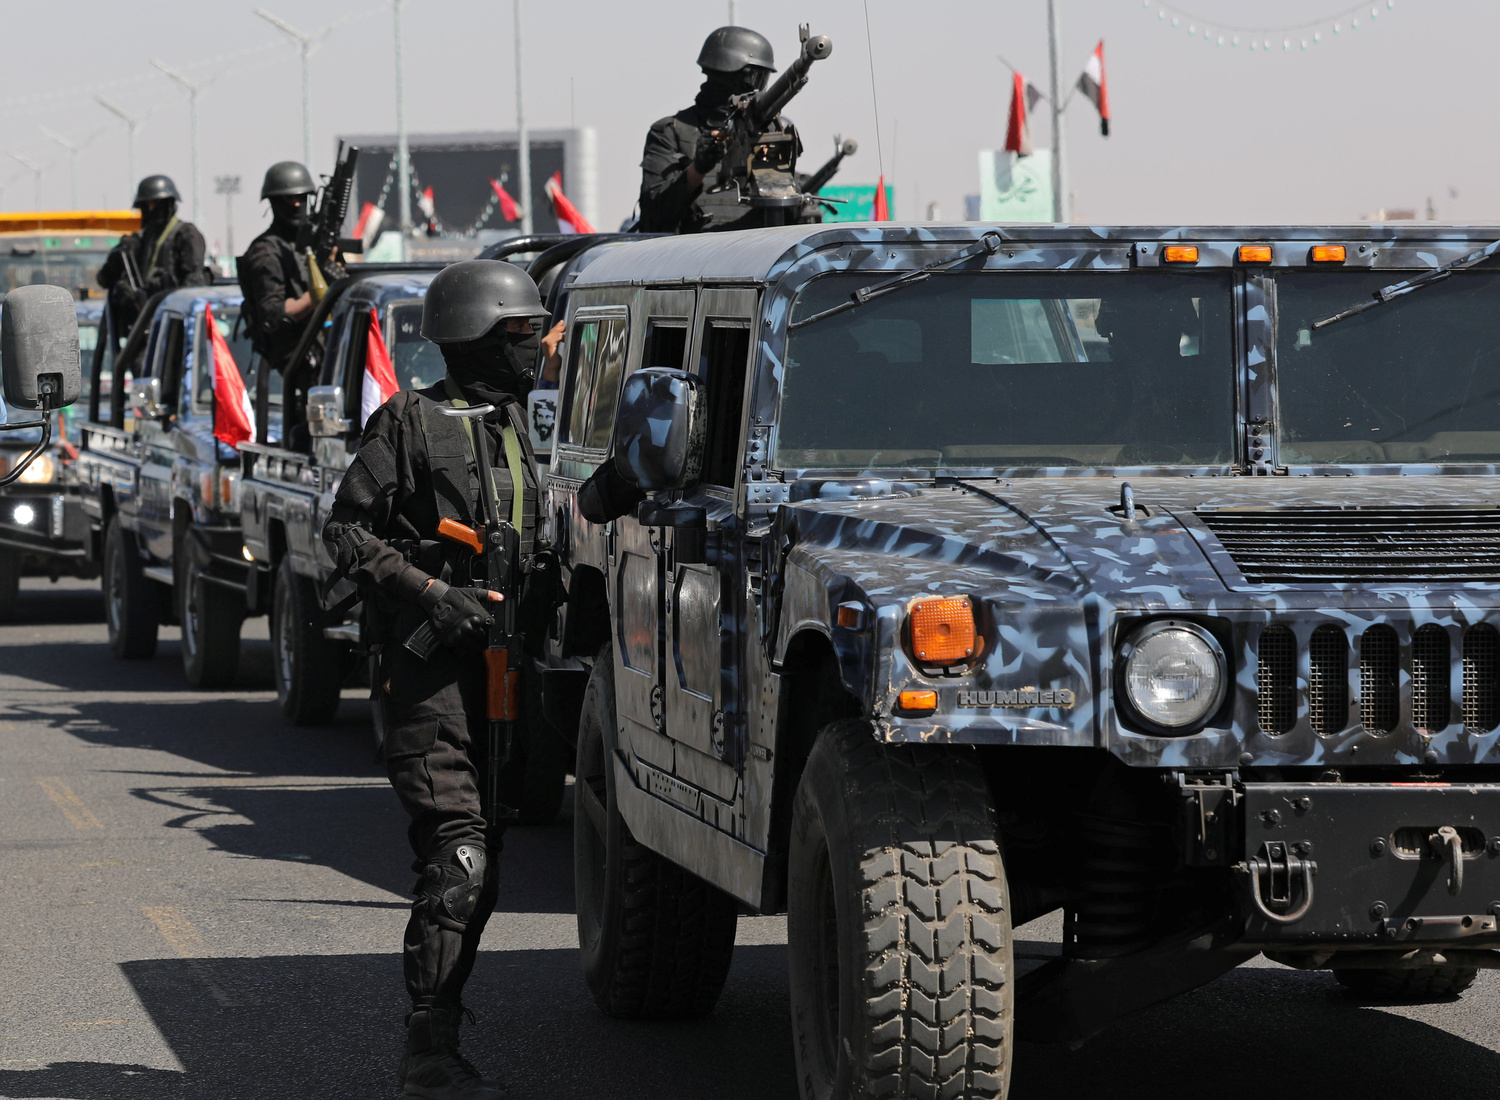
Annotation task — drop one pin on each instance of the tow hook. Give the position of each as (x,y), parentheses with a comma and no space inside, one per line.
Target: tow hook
(1275,872)
(1446,844)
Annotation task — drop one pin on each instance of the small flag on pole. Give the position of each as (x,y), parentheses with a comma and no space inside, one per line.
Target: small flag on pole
(882,203)
(1092,85)
(1023,98)
(234,420)
(569,219)
(380,383)
(508,208)
(367,229)
(426,204)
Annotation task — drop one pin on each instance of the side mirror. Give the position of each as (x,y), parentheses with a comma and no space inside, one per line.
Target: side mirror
(660,429)
(325,411)
(39,348)
(145,398)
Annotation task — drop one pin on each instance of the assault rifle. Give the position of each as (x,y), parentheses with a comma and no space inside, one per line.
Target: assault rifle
(498,547)
(760,155)
(319,238)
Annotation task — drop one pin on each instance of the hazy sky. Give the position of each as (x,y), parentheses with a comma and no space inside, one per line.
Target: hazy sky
(1386,116)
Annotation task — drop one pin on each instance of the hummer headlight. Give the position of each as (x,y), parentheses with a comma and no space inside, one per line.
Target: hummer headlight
(1173,673)
(43,468)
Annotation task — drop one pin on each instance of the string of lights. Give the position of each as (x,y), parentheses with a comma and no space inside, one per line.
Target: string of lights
(1295,36)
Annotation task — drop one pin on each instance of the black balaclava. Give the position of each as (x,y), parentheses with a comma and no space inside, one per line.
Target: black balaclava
(159,214)
(288,212)
(500,366)
(719,88)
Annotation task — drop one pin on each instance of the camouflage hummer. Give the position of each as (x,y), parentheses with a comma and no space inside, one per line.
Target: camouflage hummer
(984,572)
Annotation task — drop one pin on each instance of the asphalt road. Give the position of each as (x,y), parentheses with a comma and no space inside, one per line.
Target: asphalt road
(200,901)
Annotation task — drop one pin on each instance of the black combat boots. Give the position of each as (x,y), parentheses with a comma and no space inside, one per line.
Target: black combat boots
(431,1066)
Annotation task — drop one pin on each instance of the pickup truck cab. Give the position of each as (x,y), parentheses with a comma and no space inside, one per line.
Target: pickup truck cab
(1148,574)
(43,528)
(162,494)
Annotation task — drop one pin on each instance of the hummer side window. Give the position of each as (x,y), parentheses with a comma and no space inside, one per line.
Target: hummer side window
(594,381)
(666,345)
(722,363)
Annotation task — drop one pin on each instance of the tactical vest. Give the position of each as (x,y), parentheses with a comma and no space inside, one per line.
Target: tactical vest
(454,475)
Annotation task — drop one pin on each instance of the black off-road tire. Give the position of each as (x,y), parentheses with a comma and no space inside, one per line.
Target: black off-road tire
(10,583)
(1429,983)
(656,940)
(898,924)
(309,668)
(132,611)
(211,617)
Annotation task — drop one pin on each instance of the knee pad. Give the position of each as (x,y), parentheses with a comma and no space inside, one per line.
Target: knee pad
(452,885)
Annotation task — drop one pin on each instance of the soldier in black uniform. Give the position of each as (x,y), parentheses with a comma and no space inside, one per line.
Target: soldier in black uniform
(274,280)
(684,149)
(416,466)
(165,254)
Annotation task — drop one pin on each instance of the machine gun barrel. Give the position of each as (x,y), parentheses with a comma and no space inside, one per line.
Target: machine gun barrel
(328,222)
(768,104)
(820,178)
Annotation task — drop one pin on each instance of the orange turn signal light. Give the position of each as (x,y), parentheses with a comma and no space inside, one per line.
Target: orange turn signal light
(942,630)
(917,700)
(1180,254)
(1328,254)
(1255,253)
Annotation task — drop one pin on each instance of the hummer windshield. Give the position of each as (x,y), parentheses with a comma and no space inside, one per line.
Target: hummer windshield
(1010,369)
(1415,382)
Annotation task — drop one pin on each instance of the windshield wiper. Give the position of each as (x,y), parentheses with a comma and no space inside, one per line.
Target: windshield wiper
(987,245)
(1396,290)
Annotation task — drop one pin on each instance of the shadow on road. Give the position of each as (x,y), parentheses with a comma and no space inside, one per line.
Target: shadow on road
(70,601)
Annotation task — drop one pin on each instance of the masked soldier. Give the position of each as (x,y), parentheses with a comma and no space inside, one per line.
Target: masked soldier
(165,254)
(683,150)
(415,467)
(273,277)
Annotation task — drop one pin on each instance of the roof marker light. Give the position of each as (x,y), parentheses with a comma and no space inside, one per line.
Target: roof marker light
(1328,253)
(1180,253)
(1255,253)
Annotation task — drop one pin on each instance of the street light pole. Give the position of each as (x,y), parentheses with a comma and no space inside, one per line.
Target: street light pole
(1060,211)
(229,187)
(36,171)
(523,138)
(403,154)
(72,147)
(133,122)
(192,91)
(306,42)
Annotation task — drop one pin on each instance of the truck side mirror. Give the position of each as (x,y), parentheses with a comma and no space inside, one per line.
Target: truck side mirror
(325,411)
(660,429)
(39,347)
(145,398)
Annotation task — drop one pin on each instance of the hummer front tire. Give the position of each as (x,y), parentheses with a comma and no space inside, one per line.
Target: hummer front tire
(656,940)
(898,924)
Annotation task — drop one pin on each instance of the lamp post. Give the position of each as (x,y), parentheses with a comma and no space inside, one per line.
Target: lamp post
(133,123)
(36,171)
(403,154)
(306,42)
(523,138)
(72,147)
(229,187)
(1060,211)
(192,90)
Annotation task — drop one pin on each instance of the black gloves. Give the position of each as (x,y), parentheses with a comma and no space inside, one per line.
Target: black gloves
(709,152)
(459,618)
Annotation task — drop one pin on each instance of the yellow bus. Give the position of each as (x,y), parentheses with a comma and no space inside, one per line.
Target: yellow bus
(62,247)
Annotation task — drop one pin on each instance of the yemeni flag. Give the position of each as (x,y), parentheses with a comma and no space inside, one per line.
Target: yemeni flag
(428,206)
(508,208)
(882,204)
(569,220)
(1023,98)
(1091,84)
(234,420)
(380,373)
(367,229)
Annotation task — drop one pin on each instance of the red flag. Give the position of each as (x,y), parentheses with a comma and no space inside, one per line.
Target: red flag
(882,204)
(380,383)
(234,421)
(508,208)
(364,219)
(1092,84)
(1023,98)
(427,205)
(569,220)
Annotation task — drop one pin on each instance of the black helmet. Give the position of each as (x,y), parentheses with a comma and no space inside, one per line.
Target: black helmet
(154,189)
(287,177)
(730,49)
(466,300)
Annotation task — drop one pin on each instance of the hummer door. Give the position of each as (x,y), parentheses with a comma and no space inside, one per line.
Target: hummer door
(701,605)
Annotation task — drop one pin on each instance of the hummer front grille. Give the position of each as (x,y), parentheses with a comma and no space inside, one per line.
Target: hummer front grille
(1429,664)
(1360,545)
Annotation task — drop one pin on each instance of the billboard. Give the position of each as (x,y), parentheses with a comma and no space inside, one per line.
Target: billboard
(1014,188)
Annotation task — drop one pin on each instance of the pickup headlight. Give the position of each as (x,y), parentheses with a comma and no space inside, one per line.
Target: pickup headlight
(43,468)
(1174,674)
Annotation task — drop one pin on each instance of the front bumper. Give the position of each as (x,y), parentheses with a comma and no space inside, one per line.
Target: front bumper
(44,522)
(1365,865)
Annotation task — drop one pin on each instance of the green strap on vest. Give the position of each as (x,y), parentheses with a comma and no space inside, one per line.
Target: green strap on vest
(514,464)
(156,248)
